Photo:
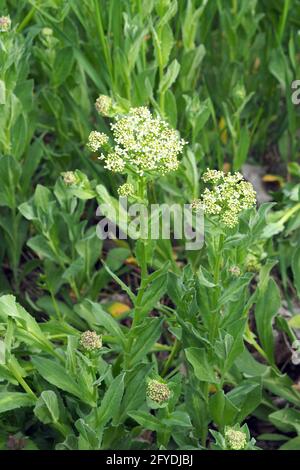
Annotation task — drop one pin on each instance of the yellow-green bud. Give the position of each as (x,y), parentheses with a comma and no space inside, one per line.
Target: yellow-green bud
(252,263)
(103,105)
(126,190)
(47,32)
(235,440)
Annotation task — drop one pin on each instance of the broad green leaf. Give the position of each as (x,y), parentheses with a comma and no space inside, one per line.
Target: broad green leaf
(144,336)
(170,76)
(94,314)
(46,408)
(286,420)
(135,389)
(12,400)
(63,65)
(202,368)
(56,374)
(294,322)
(242,149)
(146,420)
(178,419)
(267,307)
(222,410)
(110,403)
(88,439)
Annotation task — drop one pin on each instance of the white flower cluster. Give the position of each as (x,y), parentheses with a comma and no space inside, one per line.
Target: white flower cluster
(144,144)
(103,105)
(5,24)
(235,440)
(89,340)
(228,196)
(158,391)
(125,190)
(96,140)
(69,178)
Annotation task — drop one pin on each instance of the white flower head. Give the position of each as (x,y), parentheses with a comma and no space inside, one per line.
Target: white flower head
(235,440)
(69,177)
(126,190)
(96,140)
(103,105)
(114,162)
(146,144)
(90,341)
(5,24)
(158,391)
(228,195)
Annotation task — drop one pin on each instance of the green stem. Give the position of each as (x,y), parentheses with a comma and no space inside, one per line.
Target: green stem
(289,213)
(176,347)
(283,19)
(21,381)
(218,259)
(26,20)
(103,39)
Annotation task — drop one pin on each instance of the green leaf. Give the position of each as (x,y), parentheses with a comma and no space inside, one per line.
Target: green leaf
(10,171)
(94,314)
(205,279)
(121,283)
(154,292)
(146,420)
(292,444)
(144,337)
(294,322)
(63,65)
(2,92)
(55,374)
(170,76)
(247,397)
(12,400)
(9,308)
(202,368)
(242,150)
(222,410)
(178,419)
(88,439)
(267,307)
(167,43)
(46,408)
(135,389)
(296,269)
(286,420)
(110,403)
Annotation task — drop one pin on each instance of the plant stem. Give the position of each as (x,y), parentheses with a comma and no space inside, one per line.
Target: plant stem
(176,347)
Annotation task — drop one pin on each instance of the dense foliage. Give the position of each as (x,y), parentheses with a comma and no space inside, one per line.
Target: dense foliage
(141,343)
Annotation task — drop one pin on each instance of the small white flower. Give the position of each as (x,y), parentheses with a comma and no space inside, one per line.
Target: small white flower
(145,143)
(5,24)
(126,190)
(90,341)
(69,177)
(114,162)
(158,391)
(235,440)
(235,271)
(96,140)
(229,194)
(103,105)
